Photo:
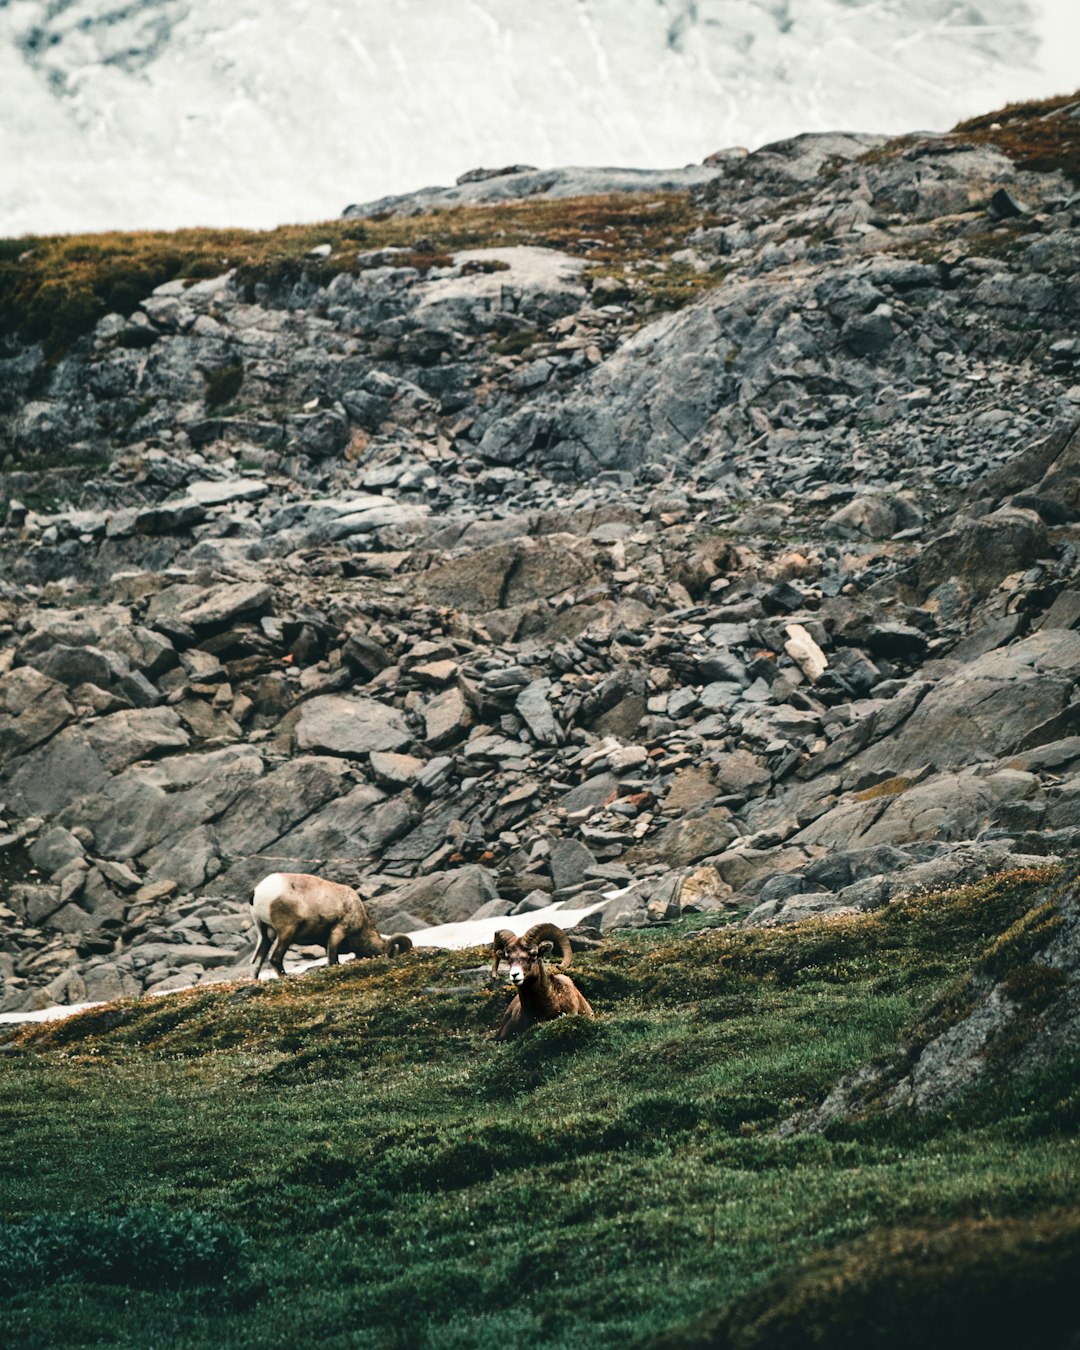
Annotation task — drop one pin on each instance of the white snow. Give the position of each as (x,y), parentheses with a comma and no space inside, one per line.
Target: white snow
(477,932)
(237,112)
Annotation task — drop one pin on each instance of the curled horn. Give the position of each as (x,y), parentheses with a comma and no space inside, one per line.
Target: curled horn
(399,945)
(549,932)
(499,944)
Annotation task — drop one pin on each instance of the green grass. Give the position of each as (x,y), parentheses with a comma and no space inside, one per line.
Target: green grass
(382,1174)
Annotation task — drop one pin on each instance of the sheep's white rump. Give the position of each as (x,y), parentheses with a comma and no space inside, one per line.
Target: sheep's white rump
(449,936)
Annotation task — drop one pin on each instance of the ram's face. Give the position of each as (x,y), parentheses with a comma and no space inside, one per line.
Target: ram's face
(525,961)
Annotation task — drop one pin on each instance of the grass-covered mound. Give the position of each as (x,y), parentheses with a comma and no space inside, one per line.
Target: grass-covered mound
(972,1282)
(1042,135)
(379,1173)
(55,288)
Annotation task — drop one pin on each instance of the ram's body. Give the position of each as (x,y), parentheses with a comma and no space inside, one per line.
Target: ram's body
(541,993)
(296,907)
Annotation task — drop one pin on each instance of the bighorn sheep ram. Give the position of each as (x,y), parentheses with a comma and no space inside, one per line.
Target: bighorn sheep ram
(296,907)
(541,994)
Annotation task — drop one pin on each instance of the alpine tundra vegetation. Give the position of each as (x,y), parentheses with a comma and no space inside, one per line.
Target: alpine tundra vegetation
(695,568)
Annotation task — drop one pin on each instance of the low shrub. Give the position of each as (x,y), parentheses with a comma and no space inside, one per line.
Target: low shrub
(143,1248)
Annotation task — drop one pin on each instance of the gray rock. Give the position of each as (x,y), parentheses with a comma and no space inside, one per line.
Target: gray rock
(353,826)
(145,806)
(223,605)
(349,726)
(168,518)
(699,834)
(877,516)
(1001,703)
(981,552)
(593,792)
(505,575)
(266,809)
(447,719)
(534,708)
(947,806)
(539,284)
(73,666)
(319,435)
(527,183)
(394,772)
(79,760)
(106,980)
(124,737)
(225,491)
(34,902)
(54,849)
(363,654)
(33,707)
(145,651)
(740,772)
(795,908)
(569,862)
(442,897)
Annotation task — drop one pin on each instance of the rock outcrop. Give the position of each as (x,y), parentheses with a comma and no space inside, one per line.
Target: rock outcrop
(481,578)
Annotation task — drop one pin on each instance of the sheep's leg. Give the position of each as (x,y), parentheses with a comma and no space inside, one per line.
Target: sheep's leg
(266,938)
(333,944)
(284,942)
(511,1017)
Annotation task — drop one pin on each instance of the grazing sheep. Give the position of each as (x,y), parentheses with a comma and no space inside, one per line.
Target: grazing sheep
(542,994)
(296,907)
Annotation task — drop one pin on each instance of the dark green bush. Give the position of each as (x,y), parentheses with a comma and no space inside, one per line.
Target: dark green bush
(142,1248)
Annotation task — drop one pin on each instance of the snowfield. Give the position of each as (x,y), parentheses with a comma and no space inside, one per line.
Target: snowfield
(162,113)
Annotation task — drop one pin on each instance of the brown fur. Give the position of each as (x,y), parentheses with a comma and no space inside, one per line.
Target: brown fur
(542,994)
(296,907)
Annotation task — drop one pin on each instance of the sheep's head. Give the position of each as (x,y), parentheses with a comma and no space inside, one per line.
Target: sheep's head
(525,954)
(366,941)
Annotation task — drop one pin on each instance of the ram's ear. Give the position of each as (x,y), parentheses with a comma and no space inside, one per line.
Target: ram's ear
(545,949)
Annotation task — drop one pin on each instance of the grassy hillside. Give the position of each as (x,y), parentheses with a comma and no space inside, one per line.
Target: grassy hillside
(347,1158)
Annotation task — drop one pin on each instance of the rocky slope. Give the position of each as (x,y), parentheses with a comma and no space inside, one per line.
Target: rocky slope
(481,577)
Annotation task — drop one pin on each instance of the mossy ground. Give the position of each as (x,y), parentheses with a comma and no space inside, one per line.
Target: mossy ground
(54,289)
(1041,135)
(398,1180)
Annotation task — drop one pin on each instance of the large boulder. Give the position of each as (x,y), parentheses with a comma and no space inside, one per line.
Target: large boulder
(32,708)
(442,897)
(340,725)
(150,805)
(948,806)
(982,552)
(538,284)
(80,759)
(1004,702)
(505,575)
